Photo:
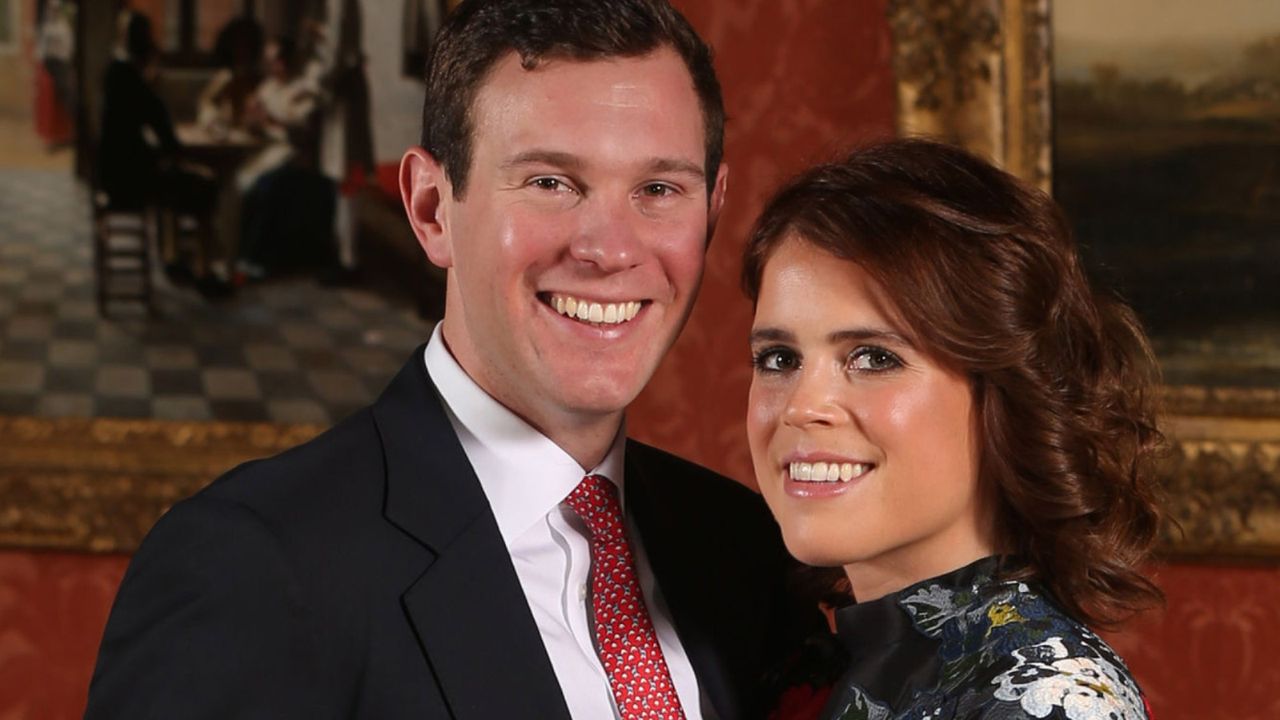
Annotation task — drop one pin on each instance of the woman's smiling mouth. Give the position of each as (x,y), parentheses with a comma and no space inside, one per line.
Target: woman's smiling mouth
(831,472)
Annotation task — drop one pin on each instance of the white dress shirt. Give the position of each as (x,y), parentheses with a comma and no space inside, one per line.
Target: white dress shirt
(526,476)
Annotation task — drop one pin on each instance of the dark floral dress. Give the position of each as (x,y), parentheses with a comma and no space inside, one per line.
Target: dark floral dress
(968,646)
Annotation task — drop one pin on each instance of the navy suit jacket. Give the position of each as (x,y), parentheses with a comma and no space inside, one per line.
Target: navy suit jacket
(363,575)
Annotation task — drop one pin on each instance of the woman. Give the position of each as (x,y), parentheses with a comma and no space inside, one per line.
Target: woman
(944,408)
(288,205)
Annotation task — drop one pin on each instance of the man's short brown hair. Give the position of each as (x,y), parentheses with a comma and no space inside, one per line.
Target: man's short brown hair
(481,32)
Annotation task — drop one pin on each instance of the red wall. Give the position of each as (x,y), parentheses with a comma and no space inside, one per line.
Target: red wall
(802,79)
(1214,652)
(52,609)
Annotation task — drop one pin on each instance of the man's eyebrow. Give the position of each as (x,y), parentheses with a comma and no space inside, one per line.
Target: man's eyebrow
(569,161)
(565,160)
(677,166)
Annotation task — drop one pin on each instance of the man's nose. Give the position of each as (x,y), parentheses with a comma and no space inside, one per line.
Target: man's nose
(609,236)
(813,401)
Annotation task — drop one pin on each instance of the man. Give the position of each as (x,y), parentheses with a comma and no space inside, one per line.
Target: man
(459,550)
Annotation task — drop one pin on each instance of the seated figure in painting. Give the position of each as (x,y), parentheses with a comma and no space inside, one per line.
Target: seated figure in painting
(136,156)
(944,408)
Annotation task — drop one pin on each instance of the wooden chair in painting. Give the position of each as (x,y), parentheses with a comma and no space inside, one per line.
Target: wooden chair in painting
(123,241)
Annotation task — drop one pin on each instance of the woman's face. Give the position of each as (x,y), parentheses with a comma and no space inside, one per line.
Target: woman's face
(864,447)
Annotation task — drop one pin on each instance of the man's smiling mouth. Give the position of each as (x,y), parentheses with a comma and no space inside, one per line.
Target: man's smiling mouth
(588,311)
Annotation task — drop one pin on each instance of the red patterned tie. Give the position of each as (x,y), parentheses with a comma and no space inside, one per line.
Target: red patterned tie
(627,642)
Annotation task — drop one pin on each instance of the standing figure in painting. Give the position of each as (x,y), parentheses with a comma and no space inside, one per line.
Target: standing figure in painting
(943,407)
(485,541)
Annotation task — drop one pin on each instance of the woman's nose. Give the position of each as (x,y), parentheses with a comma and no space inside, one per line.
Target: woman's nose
(812,401)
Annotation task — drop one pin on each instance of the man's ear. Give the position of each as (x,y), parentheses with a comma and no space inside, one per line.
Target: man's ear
(717,199)
(426,194)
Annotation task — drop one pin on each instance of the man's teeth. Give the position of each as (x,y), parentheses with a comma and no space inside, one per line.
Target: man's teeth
(607,313)
(827,472)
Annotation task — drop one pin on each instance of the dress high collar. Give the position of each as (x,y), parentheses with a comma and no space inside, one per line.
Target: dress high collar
(889,657)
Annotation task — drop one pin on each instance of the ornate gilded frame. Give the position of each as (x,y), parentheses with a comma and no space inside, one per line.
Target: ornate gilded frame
(98,484)
(978,73)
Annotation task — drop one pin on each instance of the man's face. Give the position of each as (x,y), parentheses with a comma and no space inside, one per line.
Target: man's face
(578,248)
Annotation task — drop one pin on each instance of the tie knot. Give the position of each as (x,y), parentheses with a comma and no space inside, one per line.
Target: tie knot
(595,500)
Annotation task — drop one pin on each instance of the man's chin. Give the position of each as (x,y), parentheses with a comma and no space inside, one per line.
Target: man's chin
(599,395)
(599,402)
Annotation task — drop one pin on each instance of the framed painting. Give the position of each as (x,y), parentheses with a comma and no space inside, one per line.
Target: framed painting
(106,419)
(1154,123)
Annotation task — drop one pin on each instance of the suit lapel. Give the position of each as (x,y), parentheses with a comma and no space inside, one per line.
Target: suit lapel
(683,577)
(467,609)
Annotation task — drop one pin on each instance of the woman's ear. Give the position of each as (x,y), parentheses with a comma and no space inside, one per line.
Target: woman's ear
(426,192)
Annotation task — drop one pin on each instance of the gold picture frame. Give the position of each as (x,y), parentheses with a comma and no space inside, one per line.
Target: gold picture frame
(978,73)
(99,484)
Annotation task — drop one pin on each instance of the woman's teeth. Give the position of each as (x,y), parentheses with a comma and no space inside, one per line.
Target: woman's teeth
(827,472)
(594,312)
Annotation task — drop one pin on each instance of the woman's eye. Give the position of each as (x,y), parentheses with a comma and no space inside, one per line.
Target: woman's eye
(874,360)
(775,360)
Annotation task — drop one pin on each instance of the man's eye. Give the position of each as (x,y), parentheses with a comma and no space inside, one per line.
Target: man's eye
(873,359)
(658,190)
(775,360)
(551,184)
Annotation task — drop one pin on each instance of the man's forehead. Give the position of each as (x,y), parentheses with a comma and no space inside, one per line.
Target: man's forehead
(649,98)
(512,69)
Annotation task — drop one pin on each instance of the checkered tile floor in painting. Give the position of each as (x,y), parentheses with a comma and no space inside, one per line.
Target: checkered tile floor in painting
(287,351)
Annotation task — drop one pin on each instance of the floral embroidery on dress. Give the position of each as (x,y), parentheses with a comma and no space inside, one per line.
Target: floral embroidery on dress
(997,649)
(1046,677)
(861,706)
(931,607)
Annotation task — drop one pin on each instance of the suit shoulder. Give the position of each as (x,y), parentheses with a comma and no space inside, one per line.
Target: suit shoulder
(331,486)
(662,467)
(351,446)
(679,483)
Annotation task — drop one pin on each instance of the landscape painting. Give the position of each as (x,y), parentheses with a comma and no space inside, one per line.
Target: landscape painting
(1167,159)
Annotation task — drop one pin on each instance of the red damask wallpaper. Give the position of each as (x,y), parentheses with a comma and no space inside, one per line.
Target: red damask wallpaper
(52,610)
(803,79)
(1211,653)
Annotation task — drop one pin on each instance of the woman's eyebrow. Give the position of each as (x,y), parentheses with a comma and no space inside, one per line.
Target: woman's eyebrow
(868,333)
(770,334)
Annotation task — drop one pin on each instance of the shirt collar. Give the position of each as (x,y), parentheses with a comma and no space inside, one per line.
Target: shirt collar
(523,473)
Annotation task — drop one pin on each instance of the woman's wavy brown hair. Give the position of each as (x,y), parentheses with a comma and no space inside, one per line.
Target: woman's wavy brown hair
(984,271)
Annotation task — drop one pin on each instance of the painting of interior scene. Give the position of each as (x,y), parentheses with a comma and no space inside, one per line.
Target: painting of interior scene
(200,209)
(1167,159)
